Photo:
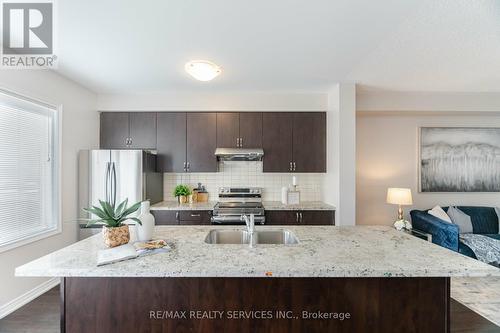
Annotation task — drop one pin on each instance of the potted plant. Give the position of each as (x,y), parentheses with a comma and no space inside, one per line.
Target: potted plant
(181,192)
(115,232)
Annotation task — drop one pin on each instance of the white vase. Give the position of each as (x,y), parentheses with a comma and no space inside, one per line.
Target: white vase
(145,231)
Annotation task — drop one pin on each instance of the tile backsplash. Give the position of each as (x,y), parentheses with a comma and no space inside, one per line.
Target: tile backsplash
(247,173)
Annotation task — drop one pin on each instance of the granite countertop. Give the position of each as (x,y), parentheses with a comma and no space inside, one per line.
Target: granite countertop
(304,205)
(174,205)
(360,251)
(269,205)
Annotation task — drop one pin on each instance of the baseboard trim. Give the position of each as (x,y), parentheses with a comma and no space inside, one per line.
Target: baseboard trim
(28,296)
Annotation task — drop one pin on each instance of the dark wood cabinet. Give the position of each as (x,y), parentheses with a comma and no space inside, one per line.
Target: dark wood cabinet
(142,130)
(165,217)
(309,142)
(171,141)
(182,217)
(186,142)
(201,142)
(128,130)
(239,130)
(300,217)
(114,130)
(251,129)
(228,129)
(277,138)
(195,217)
(294,142)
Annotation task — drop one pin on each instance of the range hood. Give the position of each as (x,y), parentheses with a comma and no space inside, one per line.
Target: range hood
(239,154)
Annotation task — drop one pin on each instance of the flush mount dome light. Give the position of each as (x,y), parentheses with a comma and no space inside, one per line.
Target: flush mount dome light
(202,70)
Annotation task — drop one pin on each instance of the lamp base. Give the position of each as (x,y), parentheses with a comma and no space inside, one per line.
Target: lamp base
(402,224)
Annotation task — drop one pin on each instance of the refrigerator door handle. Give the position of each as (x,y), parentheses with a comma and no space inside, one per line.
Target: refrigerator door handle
(113,186)
(108,170)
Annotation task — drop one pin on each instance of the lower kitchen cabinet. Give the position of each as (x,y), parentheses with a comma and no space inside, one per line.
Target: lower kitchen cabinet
(300,217)
(182,217)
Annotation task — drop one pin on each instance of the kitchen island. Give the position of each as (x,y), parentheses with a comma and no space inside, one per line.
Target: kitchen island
(336,278)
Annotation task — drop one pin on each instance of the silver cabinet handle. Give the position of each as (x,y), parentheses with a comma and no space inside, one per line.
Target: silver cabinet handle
(195,215)
(241,142)
(130,141)
(294,166)
(237,142)
(188,166)
(184,168)
(297,217)
(300,217)
(177,216)
(291,166)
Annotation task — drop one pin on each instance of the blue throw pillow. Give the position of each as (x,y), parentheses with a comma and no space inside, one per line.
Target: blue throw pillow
(461,219)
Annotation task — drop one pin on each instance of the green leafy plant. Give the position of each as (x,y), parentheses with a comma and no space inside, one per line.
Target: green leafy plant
(181,190)
(113,216)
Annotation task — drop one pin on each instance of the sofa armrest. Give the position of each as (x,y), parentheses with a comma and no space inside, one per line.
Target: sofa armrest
(443,233)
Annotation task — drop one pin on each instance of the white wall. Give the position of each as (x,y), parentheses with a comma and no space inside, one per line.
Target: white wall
(387,156)
(80,125)
(214,102)
(339,185)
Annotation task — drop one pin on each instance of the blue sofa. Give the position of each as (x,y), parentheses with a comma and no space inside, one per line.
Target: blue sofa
(484,221)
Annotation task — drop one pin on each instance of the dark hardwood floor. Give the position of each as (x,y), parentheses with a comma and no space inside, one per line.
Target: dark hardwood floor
(42,316)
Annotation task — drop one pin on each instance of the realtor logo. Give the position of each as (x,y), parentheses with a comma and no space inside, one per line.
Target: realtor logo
(28,35)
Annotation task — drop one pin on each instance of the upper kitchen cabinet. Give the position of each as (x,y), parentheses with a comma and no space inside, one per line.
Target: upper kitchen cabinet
(277,138)
(239,130)
(309,142)
(294,142)
(128,130)
(201,142)
(228,129)
(114,130)
(171,141)
(251,130)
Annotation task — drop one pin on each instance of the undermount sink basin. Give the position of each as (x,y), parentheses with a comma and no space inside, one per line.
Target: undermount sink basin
(276,236)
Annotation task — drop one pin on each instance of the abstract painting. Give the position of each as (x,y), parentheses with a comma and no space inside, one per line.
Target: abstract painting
(462,159)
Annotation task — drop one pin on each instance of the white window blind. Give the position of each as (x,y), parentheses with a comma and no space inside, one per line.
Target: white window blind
(28,170)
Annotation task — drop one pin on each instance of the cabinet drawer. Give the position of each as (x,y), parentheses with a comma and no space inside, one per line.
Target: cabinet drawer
(194,217)
(300,217)
(165,217)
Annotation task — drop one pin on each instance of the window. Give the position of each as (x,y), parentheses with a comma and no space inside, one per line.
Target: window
(29,193)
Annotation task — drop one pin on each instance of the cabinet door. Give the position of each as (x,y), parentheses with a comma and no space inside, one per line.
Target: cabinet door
(251,129)
(165,217)
(201,141)
(171,141)
(280,217)
(114,130)
(228,128)
(309,142)
(316,217)
(277,141)
(142,130)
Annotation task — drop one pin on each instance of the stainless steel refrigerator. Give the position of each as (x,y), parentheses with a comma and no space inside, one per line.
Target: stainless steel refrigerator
(114,175)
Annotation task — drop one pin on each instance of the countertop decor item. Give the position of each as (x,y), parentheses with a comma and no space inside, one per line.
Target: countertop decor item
(201,193)
(146,228)
(400,197)
(181,192)
(115,232)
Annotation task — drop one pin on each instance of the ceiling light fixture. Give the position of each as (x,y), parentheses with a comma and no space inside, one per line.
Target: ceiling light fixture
(202,70)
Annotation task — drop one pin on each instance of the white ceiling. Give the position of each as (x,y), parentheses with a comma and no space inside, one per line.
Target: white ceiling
(124,46)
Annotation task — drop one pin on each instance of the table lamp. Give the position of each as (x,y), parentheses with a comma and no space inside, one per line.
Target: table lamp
(400,197)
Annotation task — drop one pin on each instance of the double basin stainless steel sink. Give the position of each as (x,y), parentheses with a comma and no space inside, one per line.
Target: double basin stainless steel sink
(272,236)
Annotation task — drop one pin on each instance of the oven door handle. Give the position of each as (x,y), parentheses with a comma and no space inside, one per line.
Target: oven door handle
(227,219)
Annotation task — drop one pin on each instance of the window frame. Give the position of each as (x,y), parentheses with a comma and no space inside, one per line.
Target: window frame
(57,174)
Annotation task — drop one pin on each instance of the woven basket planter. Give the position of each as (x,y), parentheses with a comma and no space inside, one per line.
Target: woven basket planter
(115,236)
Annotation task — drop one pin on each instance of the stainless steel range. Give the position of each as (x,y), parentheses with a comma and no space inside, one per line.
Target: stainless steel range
(237,201)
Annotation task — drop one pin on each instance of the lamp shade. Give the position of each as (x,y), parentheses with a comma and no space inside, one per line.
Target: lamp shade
(399,196)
